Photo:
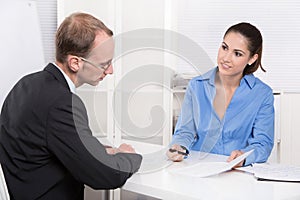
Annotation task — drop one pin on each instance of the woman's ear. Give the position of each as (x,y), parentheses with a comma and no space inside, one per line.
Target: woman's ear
(74,63)
(253,59)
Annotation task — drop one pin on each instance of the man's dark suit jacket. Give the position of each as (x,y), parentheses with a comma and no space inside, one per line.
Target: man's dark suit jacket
(47,150)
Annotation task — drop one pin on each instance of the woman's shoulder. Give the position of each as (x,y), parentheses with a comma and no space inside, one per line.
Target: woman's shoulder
(262,83)
(259,84)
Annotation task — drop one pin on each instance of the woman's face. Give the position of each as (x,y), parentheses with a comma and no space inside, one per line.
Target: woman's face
(233,55)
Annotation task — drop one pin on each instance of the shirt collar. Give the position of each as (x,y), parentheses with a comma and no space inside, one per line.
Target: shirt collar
(210,76)
(249,79)
(69,81)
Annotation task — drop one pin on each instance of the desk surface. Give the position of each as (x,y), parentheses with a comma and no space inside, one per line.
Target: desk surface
(231,185)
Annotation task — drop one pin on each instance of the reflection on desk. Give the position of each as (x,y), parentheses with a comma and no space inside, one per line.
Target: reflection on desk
(231,185)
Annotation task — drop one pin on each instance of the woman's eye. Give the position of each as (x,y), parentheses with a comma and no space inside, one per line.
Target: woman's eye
(238,54)
(224,47)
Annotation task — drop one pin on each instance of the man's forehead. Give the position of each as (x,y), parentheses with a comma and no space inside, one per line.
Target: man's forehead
(102,37)
(104,49)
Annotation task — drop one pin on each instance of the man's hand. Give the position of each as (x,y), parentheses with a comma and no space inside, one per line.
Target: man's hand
(123,148)
(126,148)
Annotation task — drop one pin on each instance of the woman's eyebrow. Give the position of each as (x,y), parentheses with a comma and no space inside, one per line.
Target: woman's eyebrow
(239,50)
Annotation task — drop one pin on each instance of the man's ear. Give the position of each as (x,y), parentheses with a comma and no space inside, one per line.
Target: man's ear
(74,63)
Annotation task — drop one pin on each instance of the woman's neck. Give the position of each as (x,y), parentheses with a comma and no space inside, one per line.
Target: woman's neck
(229,82)
(225,88)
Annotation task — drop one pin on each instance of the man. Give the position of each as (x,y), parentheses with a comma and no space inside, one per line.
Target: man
(47,150)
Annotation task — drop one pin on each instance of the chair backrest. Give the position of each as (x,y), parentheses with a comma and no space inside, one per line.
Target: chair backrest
(3,188)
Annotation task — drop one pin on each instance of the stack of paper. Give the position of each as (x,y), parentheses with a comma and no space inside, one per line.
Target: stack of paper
(274,172)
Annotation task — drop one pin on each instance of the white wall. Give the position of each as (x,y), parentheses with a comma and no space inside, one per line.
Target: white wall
(21,44)
(290,131)
(206,21)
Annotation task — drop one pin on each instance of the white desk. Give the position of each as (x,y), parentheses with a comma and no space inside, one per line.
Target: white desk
(232,185)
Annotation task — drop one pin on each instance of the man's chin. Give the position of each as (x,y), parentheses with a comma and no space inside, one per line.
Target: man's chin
(95,83)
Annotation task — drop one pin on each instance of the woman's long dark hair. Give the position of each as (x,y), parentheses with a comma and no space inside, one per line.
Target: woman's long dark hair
(255,44)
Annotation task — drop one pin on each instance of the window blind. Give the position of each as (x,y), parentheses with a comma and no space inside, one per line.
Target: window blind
(47,12)
(206,21)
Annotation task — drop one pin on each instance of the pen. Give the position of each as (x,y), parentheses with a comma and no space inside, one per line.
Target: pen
(179,152)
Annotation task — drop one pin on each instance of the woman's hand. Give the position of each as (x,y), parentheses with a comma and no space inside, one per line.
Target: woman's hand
(176,153)
(234,154)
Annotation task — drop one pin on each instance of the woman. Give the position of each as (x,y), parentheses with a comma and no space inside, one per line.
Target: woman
(228,110)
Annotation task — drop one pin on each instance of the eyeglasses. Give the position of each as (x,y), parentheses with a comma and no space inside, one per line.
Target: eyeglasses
(103,66)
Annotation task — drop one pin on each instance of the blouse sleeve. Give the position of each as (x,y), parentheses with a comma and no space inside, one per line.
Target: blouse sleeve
(262,138)
(185,130)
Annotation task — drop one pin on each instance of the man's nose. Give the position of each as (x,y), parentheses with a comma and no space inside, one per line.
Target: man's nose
(109,70)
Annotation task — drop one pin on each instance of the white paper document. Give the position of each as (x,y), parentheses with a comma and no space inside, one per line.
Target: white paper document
(154,161)
(274,172)
(205,169)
